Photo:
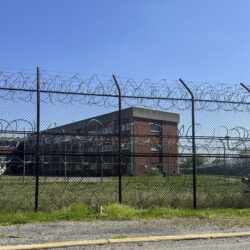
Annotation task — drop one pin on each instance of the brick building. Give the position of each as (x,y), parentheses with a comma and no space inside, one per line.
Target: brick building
(9,156)
(147,136)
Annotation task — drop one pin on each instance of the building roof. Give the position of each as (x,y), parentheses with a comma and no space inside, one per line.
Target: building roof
(113,116)
(155,115)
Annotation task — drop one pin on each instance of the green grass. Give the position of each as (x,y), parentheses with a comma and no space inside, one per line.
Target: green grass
(82,212)
(142,191)
(119,236)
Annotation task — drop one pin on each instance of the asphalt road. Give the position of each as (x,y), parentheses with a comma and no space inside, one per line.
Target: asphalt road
(215,244)
(73,231)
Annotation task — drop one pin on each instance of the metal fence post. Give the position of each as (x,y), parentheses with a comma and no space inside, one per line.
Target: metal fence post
(120,138)
(37,138)
(245,87)
(193,144)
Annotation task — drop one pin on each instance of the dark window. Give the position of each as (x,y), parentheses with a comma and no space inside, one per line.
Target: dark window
(155,147)
(155,128)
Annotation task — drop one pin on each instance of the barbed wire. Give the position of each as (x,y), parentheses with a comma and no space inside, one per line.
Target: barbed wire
(93,90)
(62,152)
(69,153)
(223,141)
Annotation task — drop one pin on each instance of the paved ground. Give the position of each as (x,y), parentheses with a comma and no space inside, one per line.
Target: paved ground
(72,231)
(218,244)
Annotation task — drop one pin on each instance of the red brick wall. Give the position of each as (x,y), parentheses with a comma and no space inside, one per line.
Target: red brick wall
(143,140)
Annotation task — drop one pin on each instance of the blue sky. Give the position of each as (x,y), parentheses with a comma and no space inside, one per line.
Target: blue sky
(206,41)
(196,40)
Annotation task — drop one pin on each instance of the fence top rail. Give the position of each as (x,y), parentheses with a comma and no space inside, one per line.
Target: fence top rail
(125,96)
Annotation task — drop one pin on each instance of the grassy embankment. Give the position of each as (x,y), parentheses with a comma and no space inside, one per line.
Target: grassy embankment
(82,212)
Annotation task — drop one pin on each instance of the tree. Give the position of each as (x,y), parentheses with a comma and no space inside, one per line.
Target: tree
(188,162)
(217,160)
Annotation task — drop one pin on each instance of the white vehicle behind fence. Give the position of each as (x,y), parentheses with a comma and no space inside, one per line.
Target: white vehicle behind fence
(2,165)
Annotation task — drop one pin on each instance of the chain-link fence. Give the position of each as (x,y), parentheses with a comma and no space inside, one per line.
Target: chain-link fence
(71,138)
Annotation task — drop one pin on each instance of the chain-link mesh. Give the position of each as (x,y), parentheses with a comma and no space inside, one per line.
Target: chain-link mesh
(88,150)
